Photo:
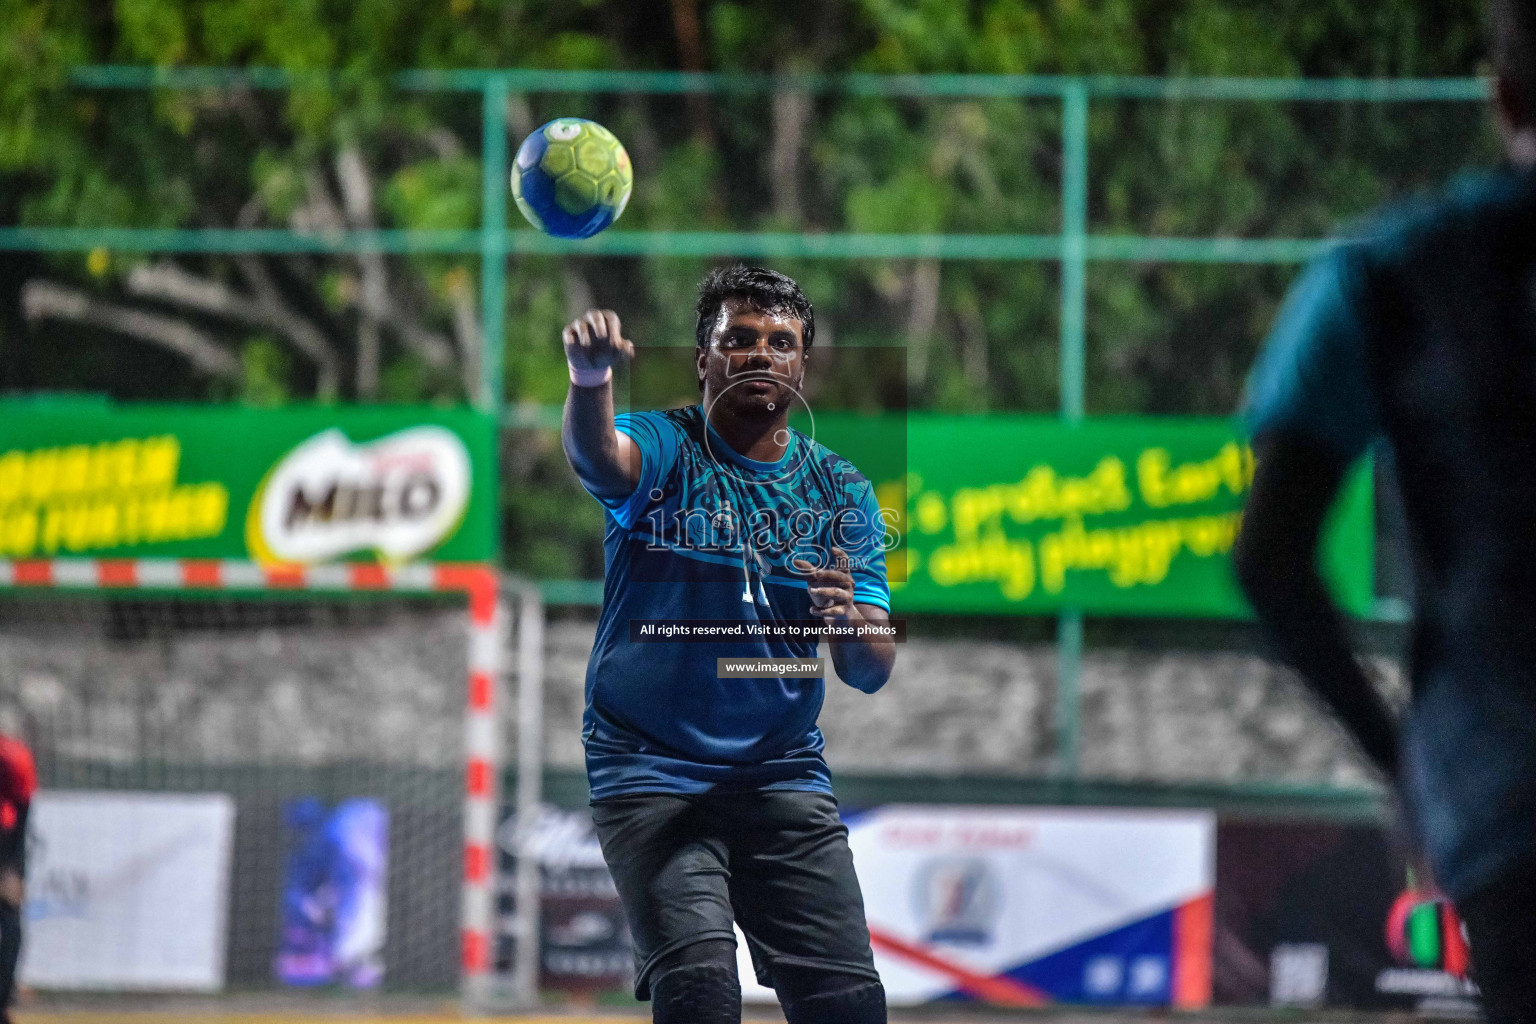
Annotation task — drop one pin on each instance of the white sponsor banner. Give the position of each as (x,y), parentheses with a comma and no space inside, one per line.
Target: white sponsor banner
(400,495)
(959,897)
(128,891)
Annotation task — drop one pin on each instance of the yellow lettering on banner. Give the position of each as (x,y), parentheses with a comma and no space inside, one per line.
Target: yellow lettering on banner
(13,476)
(133,519)
(18,534)
(155,515)
(77,527)
(1041,494)
(111,494)
(53,473)
(53,526)
(184,513)
(159,460)
(210,510)
(114,465)
(178,515)
(1163,484)
(891,497)
(1011,563)
(932,514)
(1133,555)
(74,465)
(42,474)
(107,525)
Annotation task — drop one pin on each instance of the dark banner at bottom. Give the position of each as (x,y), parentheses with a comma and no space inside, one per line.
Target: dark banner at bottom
(1321,914)
(583,941)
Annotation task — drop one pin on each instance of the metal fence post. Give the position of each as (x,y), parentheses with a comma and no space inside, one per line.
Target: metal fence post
(530,769)
(494,185)
(1074,310)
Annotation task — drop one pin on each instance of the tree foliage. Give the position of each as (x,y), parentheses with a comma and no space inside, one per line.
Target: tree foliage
(980,336)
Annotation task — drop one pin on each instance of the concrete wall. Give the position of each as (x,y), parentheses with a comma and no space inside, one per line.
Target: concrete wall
(387,685)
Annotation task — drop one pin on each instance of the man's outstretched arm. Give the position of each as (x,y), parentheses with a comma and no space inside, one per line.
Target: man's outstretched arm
(605,459)
(1276,562)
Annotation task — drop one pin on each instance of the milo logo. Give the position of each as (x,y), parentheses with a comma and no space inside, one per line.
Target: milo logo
(399,496)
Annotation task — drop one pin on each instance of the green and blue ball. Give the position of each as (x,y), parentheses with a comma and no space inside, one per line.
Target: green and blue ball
(571,178)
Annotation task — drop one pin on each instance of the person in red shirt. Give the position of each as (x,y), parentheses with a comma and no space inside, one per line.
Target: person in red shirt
(18,781)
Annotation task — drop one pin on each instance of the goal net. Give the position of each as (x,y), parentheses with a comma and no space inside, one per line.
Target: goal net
(255,792)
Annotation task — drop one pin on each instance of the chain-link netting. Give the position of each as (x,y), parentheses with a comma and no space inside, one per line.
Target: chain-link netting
(321,721)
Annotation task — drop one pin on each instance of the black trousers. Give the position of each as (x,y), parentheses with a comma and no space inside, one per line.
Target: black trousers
(776,862)
(10,952)
(1501,927)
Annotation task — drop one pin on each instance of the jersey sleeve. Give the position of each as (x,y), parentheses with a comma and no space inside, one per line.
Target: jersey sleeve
(13,839)
(861,533)
(19,770)
(656,438)
(1312,377)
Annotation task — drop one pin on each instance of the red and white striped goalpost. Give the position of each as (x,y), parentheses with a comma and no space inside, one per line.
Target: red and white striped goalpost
(482,586)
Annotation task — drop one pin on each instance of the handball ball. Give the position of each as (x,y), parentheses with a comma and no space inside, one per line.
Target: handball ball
(571,178)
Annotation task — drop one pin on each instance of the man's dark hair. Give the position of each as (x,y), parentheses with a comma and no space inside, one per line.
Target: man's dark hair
(1512,43)
(766,291)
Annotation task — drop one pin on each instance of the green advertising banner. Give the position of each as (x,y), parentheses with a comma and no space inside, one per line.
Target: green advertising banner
(1113,516)
(295,486)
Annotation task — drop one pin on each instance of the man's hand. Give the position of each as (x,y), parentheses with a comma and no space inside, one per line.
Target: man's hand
(862,662)
(831,588)
(595,341)
(12,889)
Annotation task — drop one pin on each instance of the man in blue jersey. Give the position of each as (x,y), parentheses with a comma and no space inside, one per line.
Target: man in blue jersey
(1423,334)
(709,792)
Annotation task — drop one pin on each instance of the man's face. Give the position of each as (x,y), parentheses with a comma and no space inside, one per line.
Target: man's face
(754,363)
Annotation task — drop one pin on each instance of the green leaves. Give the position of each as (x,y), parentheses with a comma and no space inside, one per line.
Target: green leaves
(435,195)
(909,201)
(980,336)
(266,370)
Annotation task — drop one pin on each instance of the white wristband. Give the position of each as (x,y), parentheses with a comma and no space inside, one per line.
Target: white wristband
(590,377)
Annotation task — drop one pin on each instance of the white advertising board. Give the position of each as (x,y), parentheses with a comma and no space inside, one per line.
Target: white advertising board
(128,891)
(1027,906)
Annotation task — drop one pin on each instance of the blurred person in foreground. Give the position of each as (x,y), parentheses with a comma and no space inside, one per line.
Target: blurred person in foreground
(1423,334)
(18,781)
(709,794)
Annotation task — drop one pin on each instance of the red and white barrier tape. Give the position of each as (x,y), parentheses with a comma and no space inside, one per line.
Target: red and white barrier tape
(229,574)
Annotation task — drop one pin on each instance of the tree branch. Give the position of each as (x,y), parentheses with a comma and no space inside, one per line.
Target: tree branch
(791,113)
(320,212)
(973,351)
(357,203)
(168,282)
(306,337)
(375,300)
(444,143)
(303,333)
(466,329)
(46,299)
(922,316)
(689,32)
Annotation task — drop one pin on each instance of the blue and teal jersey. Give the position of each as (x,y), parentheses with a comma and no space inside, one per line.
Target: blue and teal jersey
(711,535)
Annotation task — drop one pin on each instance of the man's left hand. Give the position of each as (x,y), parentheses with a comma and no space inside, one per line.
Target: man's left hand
(831,587)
